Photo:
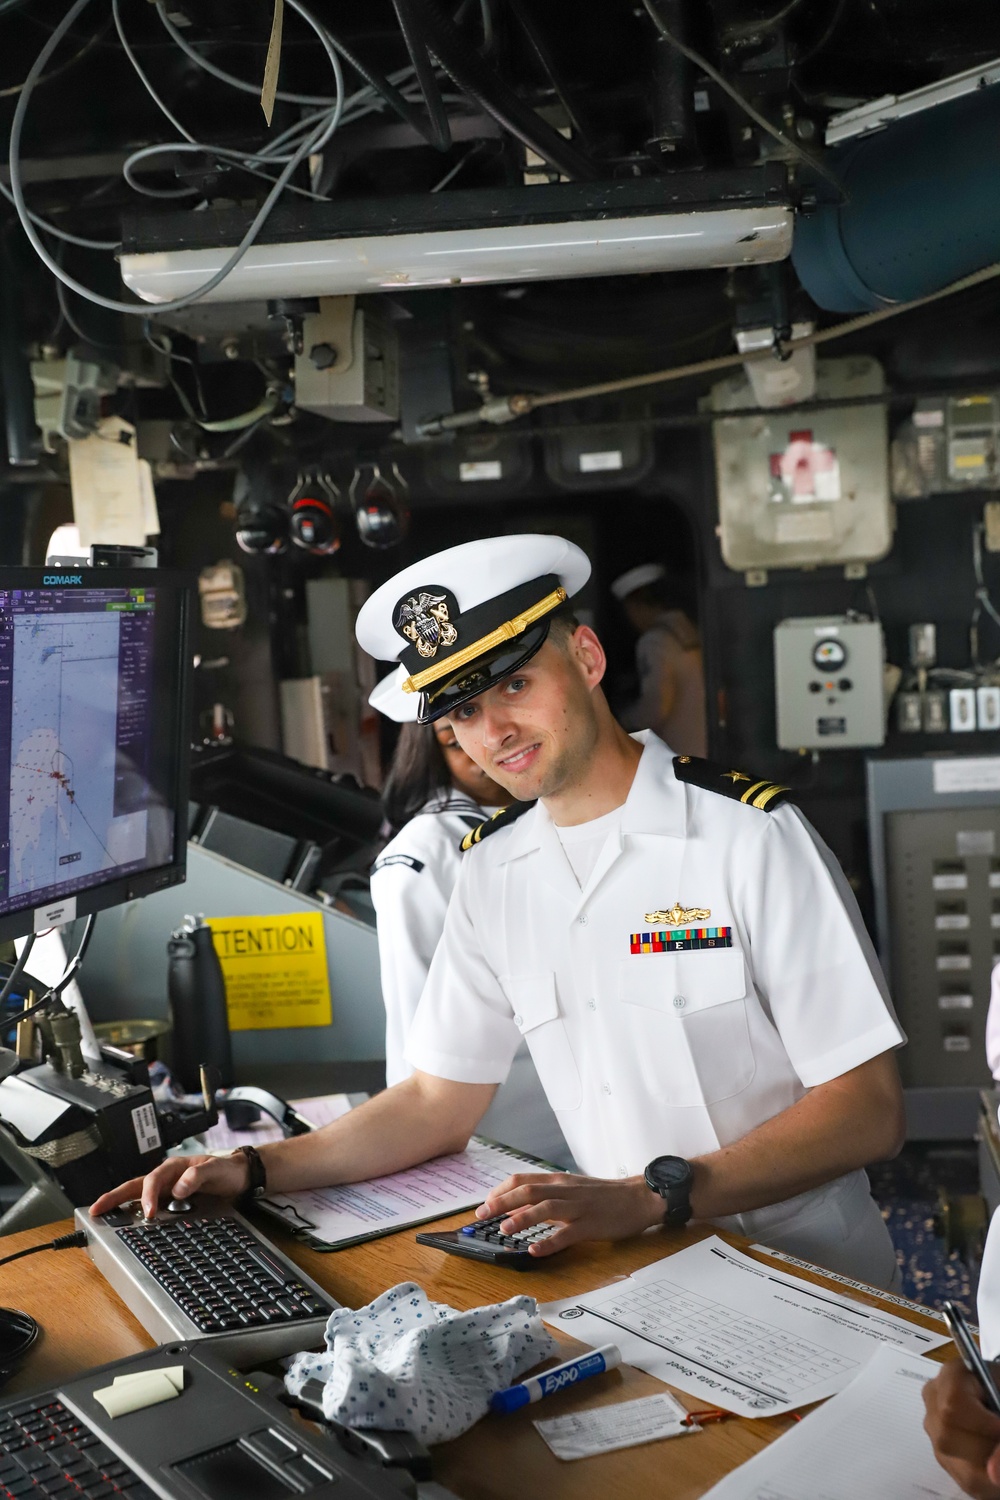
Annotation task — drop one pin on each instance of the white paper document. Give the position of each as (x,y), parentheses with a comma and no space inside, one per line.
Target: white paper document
(868,1443)
(734,1332)
(625,1425)
(317,1111)
(338,1216)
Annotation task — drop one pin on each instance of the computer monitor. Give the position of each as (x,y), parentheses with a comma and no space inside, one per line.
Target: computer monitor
(95,689)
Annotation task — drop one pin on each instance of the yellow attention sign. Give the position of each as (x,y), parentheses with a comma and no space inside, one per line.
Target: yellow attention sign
(275,970)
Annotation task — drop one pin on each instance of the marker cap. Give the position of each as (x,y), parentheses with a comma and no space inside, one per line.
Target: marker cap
(510,1400)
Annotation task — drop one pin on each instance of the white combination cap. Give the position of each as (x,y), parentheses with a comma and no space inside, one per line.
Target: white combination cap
(462,620)
(637,578)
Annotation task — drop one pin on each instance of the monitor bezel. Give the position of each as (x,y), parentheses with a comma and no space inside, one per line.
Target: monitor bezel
(117,891)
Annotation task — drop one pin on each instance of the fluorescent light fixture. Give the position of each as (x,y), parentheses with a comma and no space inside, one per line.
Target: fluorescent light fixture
(606,246)
(876,114)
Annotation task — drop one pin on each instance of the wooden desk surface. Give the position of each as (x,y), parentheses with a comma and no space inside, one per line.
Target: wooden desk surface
(85,1324)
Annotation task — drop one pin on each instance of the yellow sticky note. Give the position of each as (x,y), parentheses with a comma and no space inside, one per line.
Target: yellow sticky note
(275,970)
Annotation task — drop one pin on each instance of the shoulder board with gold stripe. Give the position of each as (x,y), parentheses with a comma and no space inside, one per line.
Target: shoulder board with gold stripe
(500,819)
(713,776)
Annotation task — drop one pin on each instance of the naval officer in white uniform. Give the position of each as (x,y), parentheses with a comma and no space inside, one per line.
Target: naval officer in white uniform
(678,950)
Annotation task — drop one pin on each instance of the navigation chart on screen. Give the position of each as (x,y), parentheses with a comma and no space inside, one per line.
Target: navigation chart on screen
(63,752)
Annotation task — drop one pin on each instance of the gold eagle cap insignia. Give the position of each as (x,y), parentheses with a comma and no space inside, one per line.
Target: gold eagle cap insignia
(679,916)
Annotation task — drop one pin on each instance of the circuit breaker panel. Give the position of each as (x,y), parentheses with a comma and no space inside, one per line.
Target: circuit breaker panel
(944,910)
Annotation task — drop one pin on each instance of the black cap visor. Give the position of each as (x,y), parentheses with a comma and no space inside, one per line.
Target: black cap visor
(503,661)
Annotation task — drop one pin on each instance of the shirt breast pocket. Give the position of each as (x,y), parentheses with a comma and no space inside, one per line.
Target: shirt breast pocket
(537,1018)
(689,1021)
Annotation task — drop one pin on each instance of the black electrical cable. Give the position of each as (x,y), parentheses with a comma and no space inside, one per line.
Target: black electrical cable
(77,1240)
(18,1330)
(383,88)
(18,969)
(526,19)
(477,78)
(817,47)
(424,69)
(69,974)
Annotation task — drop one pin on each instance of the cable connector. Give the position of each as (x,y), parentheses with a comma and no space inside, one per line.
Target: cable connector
(75,1241)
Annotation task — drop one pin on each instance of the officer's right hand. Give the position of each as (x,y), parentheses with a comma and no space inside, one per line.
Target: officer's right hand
(180,1177)
(964,1432)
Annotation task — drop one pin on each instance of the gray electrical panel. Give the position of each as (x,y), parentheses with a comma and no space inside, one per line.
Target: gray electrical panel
(829,683)
(943,870)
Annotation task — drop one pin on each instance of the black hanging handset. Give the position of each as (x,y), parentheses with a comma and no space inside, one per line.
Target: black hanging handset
(971,1357)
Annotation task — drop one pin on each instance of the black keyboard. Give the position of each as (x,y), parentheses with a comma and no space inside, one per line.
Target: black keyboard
(482,1240)
(208,1274)
(220,1275)
(225,1436)
(47,1451)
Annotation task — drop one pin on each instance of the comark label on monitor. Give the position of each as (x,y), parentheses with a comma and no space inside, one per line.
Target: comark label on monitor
(55,915)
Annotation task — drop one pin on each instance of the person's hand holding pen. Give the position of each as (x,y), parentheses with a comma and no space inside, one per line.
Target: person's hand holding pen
(963,1430)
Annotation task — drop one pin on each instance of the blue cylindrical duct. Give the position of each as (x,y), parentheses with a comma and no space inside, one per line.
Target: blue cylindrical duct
(924,209)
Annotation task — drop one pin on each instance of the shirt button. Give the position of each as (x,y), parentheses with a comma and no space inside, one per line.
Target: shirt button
(679,1002)
(606,1087)
(591,1004)
(518,1020)
(583,919)
(623,1171)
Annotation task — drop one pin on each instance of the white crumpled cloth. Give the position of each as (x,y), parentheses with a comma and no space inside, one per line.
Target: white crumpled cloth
(407,1364)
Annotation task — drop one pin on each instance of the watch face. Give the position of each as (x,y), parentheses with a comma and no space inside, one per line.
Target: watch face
(829,654)
(669,1171)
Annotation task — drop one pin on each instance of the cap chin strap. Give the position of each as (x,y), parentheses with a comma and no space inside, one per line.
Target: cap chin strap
(506,632)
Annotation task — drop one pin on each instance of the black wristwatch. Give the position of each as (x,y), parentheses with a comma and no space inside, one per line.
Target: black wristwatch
(671,1177)
(256,1174)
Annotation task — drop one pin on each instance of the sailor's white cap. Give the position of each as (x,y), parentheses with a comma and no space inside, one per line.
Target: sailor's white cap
(389,699)
(637,578)
(464,619)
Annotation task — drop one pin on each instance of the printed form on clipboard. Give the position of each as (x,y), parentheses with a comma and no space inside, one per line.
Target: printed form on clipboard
(335,1217)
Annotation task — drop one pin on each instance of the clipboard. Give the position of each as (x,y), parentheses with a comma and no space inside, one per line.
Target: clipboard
(353,1213)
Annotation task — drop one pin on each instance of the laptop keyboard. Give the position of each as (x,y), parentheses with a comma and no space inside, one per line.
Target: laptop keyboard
(47,1451)
(219,1275)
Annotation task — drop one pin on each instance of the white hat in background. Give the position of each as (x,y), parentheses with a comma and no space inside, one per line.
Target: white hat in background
(637,578)
(462,620)
(389,699)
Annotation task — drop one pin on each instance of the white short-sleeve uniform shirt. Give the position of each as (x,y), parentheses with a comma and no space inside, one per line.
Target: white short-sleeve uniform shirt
(676,1052)
(412,882)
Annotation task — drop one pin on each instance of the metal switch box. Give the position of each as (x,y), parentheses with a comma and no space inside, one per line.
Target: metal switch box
(829,683)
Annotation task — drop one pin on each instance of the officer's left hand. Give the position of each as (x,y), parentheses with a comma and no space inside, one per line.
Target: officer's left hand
(585,1208)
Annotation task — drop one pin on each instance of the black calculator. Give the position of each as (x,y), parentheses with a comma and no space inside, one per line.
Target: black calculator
(482,1240)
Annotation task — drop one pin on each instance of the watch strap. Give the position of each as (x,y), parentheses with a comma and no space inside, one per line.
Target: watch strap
(256,1171)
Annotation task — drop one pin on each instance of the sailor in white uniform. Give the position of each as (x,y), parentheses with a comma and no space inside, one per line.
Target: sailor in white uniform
(676,946)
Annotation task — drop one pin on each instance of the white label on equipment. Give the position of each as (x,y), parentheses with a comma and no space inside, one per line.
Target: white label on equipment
(954,1002)
(957,1044)
(485,468)
(979,773)
(995,919)
(995,881)
(592,463)
(147,1131)
(975,841)
(56,914)
(950,882)
(948,963)
(952,922)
